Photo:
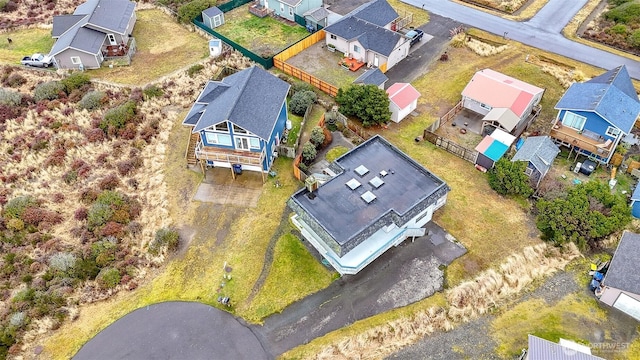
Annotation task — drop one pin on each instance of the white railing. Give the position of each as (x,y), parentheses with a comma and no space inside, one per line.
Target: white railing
(220,156)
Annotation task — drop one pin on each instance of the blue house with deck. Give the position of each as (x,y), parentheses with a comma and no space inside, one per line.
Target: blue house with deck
(593,116)
(238,122)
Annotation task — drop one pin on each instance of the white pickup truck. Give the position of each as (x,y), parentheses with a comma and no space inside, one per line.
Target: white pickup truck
(37,60)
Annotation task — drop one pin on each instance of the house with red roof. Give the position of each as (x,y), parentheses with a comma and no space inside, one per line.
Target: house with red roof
(403,99)
(504,102)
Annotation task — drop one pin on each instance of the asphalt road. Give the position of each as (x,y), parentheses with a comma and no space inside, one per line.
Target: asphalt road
(542,31)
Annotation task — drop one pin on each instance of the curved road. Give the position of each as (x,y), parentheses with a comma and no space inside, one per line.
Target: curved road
(542,31)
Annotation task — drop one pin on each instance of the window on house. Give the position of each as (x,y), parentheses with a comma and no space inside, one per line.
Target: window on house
(218,139)
(282,8)
(223,126)
(573,120)
(290,11)
(246,143)
(528,171)
(613,132)
(112,39)
(356,48)
(333,37)
(238,130)
(75,60)
(485,106)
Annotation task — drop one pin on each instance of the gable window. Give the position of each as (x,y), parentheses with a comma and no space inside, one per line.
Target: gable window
(75,60)
(613,132)
(333,37)
(223,126)
(112,39)
(573,120)
(356,48)
(238,130)
(218,139)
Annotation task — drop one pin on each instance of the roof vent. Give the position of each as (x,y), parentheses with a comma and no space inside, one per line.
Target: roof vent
(376,182)
(361,170)
(383,173)
(368,197)
(353,184)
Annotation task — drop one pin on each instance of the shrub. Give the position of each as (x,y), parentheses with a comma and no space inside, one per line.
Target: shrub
(15,224)
(98,215)
(62,261)
(165,237)
(191,10)
(94,135)
(367,102)
(8,6)
(108,278)
(317,136)
(626,13)
(92,100)
(118,116)
(109,182)
(299,86)
(195,69)
(18,319)
(634,39)
(10,97)
(619,29)
(104,252)
(14,80)
(152,91)
(75,81)
(16,206)
(49,90)
(81,214)
(300,101)
(309,152)
(508,178)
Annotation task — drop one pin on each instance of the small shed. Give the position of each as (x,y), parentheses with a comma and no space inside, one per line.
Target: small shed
(215,47)
(372,77)
(493,147)
(403,99)
(635,202)
(213,17)
(539,152)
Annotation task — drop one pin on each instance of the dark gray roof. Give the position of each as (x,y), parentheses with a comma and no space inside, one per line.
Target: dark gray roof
(610,95)
(344,214)
(541,349)
(377,12)
(62,23)
(251,99)
(624,269)
(372,77)
(372,37)
(80,38)
(540,151)
(212,11)
(112,15)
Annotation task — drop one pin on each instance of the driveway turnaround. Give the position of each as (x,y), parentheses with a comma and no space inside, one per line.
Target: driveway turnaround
(183,330)
(542,31)
(174,330)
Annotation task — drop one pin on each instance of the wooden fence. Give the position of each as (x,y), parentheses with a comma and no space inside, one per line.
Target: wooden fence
(299,174)
(279,61)
(452,147)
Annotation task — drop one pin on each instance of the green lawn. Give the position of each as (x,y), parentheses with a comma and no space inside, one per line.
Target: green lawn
(157,55)
(263,36)
(24,42)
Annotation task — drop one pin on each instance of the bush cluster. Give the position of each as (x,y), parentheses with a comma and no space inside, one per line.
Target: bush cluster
(152,91)
(10,97)
(112,206)
(14,80)
(195,69)
(92,100)
(191,10)
(301,100)
(75,81)
(49,90)
(117,117)
(165,238)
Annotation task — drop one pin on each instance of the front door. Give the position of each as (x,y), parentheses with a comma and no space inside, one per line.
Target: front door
(375,60)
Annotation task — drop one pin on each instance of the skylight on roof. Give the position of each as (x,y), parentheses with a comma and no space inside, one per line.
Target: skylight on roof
(353,184)
(376,182)
(368,197)
(361,170)
(383,173)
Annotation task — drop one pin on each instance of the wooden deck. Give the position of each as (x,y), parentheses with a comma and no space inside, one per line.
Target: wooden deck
(572,138)
(352,64)
(229,156)
(259,10)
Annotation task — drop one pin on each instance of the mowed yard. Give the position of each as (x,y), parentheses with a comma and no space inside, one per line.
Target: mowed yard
(263,36)
(157,54)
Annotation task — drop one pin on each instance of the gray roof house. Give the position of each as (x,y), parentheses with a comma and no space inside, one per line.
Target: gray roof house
(541,349)
(97,29)
(539,152)
(368,34)
(240,120)
(378,197)
(620,287)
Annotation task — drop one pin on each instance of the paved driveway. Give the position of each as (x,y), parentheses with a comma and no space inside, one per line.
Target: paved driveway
(542,31)
(182,330)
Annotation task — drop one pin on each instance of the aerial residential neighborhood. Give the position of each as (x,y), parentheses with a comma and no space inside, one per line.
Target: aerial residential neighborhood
(319,179)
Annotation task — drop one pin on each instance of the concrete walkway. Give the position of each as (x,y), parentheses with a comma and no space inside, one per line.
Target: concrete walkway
(542,31)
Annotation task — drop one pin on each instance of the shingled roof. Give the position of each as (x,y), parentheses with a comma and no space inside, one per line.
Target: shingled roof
(370,36)
(251,99)
(377,12)
(624,269)
(540,151)
(610,95)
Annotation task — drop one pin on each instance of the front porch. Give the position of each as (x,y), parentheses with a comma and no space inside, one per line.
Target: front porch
(589,144)
(121,53)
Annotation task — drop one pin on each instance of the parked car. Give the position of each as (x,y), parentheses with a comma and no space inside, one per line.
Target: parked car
(37,60)
(415,35)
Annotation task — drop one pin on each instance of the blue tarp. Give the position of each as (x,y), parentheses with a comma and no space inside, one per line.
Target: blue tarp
(496,150)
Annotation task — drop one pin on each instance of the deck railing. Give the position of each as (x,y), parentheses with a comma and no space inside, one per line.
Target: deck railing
(573,138)
(211,154)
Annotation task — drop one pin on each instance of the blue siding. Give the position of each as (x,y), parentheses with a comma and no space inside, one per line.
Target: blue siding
(204,141)
(635,209)
(594,122)
(277,129)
